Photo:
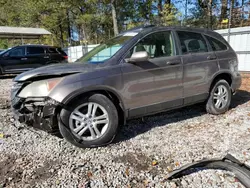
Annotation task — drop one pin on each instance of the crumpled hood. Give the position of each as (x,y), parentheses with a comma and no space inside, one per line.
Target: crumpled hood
(57,70)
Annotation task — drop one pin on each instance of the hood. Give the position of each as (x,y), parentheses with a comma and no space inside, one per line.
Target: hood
(57,70)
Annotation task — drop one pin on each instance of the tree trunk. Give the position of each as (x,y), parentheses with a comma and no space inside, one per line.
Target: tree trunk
(233,15)
(242,14)
(69,29)
(223,11)
(84,33)
(160,8)
(61,34)
(209,14)
(249,18)
(114,18)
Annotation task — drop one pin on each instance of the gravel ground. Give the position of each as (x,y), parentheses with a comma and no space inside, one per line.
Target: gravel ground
(143,153)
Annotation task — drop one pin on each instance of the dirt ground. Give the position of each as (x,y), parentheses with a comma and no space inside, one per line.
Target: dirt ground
(142,155)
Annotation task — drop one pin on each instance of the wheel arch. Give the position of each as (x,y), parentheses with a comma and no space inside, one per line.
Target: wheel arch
(222,75)
(1,70)
(108,92)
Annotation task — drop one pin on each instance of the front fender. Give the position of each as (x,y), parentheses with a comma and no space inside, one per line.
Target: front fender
(81,91)
(68,90)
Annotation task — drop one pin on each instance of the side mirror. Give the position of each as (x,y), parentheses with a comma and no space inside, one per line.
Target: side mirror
(139,56)
(6,54)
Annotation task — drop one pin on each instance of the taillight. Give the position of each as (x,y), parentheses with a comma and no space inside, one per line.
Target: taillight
(65,57)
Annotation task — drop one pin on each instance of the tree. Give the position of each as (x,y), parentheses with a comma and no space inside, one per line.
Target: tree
(170,15)
(98,20)
(114,17)
(223,14)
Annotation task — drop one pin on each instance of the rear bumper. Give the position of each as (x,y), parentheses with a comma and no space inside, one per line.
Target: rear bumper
(236,83)
(36,112)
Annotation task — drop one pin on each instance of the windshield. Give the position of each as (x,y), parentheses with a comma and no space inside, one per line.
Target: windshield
(1,52)
(105,51)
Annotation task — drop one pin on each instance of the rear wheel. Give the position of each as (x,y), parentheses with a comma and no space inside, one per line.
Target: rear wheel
(52,62)
(91,122)
(220,98)
(1,71)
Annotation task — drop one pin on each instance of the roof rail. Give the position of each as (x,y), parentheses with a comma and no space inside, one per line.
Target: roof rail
(138,28)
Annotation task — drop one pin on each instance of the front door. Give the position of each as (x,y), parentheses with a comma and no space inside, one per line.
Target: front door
(156,84)
(14,61)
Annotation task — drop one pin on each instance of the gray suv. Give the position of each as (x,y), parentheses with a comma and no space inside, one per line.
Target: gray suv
(140,72)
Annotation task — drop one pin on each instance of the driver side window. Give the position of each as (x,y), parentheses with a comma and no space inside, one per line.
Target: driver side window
(17,52)
(158,44)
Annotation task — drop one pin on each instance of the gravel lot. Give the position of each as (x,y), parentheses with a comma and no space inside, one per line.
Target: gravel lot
(143,154)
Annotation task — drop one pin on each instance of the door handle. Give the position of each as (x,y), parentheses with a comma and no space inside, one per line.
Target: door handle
(23,59)
(46,57)
(173,62)
(211,57)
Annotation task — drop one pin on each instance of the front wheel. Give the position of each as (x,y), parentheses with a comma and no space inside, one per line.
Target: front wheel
(220,98)
(1,71)
(91,122)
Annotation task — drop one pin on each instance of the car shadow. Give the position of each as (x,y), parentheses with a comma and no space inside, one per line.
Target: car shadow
(241,97)
(141,125)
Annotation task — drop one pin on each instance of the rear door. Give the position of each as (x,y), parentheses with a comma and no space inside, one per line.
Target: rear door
(156,84)
(36,56)
(199,64)
(14,61)
(223,53)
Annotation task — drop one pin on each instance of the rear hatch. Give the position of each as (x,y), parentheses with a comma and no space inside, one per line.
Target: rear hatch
(64,55)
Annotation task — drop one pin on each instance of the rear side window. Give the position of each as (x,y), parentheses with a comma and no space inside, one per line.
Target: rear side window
(35,50)
(52,50)
(192,42)
(216,44)
(61,51)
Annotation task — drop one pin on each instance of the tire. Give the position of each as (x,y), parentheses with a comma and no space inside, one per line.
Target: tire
(212,105)
(1,71)
(67,123)
(51,63)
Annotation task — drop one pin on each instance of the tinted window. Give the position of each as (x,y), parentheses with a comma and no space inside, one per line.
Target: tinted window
(215,44)
(52,50)
(157,45)
(192,42)
(61,51)
(3,51)
(35,50)
(17,52)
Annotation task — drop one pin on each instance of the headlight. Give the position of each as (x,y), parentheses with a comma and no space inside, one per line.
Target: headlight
(39,88)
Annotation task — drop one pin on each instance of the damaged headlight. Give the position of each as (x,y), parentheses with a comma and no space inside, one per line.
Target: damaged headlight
(39,88)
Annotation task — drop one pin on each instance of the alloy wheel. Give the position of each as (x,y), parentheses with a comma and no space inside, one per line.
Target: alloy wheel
(220,97)
(89,121)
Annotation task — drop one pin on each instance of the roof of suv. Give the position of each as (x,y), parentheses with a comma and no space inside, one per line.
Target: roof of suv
(150,28)
(36,45)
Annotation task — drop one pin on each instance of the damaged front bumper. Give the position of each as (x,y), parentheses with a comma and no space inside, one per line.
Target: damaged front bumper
(36,112)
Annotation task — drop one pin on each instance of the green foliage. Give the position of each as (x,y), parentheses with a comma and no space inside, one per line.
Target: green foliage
(3,44)
(93,18)
(170,15)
